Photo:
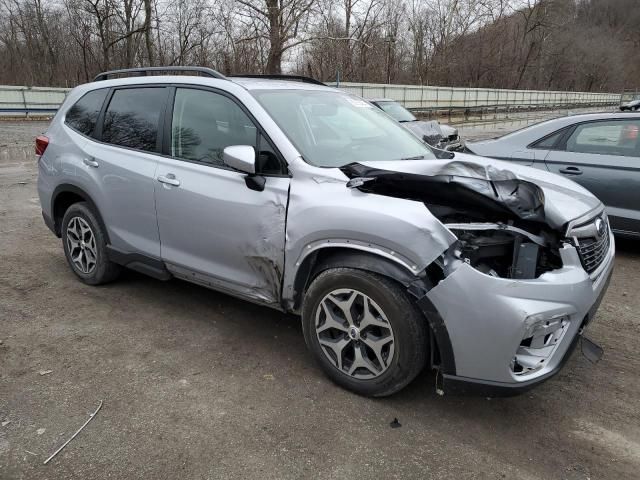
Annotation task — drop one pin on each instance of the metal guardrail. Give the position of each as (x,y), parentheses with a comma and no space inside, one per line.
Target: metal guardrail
(429,98)
(16,100)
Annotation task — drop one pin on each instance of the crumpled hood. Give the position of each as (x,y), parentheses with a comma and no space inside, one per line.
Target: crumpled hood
(564,200)
(429,131)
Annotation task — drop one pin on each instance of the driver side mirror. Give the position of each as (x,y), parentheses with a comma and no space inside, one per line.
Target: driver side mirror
(240,157)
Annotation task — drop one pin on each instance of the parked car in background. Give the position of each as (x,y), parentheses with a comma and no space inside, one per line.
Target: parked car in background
(309,200)
(599,151)
(434,133)
(631,105)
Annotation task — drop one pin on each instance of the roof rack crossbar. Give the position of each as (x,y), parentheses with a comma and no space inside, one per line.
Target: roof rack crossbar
(209,72)
(299,78)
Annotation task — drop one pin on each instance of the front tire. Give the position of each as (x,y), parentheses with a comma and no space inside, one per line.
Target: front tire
(85,246)
(364,331)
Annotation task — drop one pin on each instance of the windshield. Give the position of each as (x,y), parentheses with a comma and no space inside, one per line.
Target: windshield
(397,111)
(332,129)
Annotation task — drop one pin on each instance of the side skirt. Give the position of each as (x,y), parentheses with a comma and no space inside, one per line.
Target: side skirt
(140,263)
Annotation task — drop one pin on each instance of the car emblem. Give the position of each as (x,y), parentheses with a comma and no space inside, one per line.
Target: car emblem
(601,227)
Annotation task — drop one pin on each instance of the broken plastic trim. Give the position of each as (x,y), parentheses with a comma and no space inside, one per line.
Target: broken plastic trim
(497,226)
(518,199)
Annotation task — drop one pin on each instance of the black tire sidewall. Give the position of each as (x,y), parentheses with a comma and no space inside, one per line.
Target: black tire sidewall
(100,272)
(408,325)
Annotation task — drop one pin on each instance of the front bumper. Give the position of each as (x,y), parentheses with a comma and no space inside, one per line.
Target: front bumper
(452,145)
(486,319)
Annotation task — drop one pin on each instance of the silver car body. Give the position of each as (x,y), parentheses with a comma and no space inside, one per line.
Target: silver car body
(214,231)
(614,179)
(631,105)
(436,134)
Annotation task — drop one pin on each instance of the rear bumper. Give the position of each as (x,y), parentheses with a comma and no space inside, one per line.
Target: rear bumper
(48,221)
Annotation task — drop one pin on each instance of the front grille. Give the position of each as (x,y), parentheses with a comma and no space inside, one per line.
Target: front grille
(593,251)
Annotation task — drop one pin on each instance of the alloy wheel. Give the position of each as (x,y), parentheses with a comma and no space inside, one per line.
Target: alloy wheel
(354,333)
(81,242)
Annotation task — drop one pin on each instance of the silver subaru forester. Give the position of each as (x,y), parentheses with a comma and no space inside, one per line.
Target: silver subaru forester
(294,195)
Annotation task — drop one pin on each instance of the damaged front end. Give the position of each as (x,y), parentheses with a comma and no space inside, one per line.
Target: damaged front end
(507,300)
(500,223)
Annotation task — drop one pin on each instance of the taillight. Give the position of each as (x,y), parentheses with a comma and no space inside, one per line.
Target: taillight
(42,143)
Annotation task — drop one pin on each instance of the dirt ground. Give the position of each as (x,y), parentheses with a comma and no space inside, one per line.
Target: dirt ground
(196,384)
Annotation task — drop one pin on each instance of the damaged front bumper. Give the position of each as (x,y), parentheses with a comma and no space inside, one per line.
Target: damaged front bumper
(505,335)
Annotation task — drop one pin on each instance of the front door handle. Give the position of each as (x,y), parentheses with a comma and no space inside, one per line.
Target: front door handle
(169,179)
(571,171)
(90,162)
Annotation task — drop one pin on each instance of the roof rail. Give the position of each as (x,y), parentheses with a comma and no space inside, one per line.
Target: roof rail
(298,78)
(143,71)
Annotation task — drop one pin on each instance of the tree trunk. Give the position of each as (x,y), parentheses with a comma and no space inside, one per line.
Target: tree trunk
(274,59)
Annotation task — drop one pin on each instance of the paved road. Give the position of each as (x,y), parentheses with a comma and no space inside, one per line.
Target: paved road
(196,384)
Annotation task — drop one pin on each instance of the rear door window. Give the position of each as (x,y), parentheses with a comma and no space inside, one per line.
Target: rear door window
(133,116)
(617,137)
(83,116)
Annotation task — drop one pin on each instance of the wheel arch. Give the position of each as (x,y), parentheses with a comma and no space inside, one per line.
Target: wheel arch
(63,197)
(417,286)
(338,256)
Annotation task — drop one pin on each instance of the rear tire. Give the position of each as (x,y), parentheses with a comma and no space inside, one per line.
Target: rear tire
(85,246)
(364,331)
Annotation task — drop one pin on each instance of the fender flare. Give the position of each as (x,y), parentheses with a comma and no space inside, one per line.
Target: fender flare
(71,188)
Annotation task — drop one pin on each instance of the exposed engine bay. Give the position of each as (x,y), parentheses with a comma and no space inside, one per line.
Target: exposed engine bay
(505,251)
(500,224)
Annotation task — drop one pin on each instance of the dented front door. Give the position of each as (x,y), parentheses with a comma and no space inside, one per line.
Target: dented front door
(216,231)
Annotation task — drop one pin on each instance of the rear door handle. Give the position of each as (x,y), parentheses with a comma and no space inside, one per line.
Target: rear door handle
(169,179)
(90,162)
(571,171)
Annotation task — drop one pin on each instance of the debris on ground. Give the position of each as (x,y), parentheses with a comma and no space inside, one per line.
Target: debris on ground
(395,423)
(40,431)
(268,376)
(6,422)
(75,434)
(45,372)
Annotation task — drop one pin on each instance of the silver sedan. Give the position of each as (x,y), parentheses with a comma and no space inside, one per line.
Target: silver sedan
(599,151)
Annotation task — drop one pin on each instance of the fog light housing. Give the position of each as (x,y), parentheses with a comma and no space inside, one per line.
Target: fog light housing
(540,340)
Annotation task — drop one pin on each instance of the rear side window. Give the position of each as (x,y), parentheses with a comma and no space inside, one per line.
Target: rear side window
(618,137)
(132,118)
(549,142)
(84,114)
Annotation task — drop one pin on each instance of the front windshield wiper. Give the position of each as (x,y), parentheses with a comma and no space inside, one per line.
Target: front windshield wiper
(417,157)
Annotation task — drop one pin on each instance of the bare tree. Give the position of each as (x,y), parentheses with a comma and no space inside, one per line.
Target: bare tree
(282,24)
(555,44)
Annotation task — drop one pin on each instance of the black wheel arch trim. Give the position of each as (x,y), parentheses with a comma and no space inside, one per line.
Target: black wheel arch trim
(71,188)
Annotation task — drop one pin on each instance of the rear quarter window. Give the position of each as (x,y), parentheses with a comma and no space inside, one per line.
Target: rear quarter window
(83,116)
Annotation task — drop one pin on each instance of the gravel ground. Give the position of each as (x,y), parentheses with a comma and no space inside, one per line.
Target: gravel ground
(196,384)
